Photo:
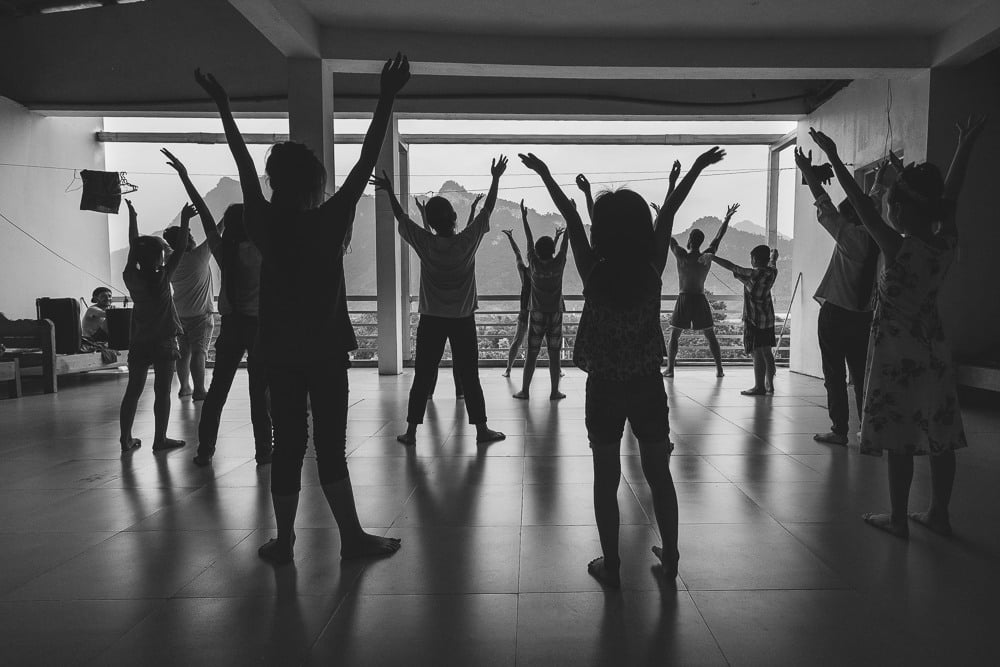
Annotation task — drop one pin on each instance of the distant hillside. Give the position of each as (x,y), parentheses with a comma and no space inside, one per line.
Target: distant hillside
(495,263)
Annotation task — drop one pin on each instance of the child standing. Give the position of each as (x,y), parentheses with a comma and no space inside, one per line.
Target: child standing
(620,345)
(523,303)
(758,314)
(155,327)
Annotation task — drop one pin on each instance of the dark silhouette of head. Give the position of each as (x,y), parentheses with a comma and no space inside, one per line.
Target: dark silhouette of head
(296,176)
(441,216)
(622,226)
(172,235)
(148,252)
(695,239)
(913,203)
(233,231)
(760,256)
(545,247)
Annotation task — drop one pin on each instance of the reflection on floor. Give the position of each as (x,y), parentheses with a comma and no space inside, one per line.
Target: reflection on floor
(152,560)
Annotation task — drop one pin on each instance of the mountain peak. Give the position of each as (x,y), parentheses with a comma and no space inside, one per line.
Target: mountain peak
(452,187)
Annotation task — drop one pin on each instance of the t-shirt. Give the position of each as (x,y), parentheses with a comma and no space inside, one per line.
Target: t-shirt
(154,318)
(303,302)
(849,281)
(244,275)
(192,282)
(447,266)
(546,282)
(94,320)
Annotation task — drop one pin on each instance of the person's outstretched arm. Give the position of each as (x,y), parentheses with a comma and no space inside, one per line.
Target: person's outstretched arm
(395,74)
(422,207)
(529,240)
(583,254)
(133,222)
(212,231)
(726,264)
(563,248)
(584,185)
(408,230)
(664,224)
(472,210)
(713,247)
(675,172)
(509,233)
(968,132)
(886,237)
(497,168)
(774,259)
(187,212)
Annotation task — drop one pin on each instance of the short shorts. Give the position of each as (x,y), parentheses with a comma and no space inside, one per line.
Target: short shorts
(754,337)
(641,401)
(691,311)
(545,327)
(197,333)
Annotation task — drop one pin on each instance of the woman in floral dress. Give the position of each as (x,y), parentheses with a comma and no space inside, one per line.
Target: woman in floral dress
(911,403)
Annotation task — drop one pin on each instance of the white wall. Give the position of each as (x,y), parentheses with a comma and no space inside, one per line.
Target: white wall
(35,199)
(856,119)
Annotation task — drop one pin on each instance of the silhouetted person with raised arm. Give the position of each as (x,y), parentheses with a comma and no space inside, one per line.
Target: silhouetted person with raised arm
(758,314)
(620,346)
(154,329)
(911,401)
(448,300)
(523,302)
(239,260)
(546,267)
(846,297)
(305,332)
(691,310)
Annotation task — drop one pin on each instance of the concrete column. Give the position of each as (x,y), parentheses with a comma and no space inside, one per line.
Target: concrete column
(388,251)
(310,109)
(404,255)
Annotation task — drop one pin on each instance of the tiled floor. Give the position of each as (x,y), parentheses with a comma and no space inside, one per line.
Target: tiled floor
(150,560)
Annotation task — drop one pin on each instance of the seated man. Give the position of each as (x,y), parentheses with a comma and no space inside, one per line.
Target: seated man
(95,322)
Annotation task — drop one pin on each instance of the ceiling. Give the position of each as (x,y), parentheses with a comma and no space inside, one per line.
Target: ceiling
(692,58)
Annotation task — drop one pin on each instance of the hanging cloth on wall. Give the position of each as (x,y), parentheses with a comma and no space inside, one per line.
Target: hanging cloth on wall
(103,190)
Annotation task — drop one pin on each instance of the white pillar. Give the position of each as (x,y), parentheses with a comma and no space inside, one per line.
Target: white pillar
(404,255)
(773,162)
(388,250)
(310,109)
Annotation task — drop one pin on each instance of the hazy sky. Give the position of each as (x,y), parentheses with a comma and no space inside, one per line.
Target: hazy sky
(741,177)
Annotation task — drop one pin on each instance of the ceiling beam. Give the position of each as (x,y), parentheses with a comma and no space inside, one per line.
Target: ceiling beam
(284,23)
(971,37)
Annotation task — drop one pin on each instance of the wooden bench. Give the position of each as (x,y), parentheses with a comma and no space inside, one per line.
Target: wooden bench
(32,344)
(10,375)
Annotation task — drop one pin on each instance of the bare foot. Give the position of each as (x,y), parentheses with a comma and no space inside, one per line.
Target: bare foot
(370,546)
(556,395)
(599,571)
(406,439)
(938,524)
(753,391)
(489,435)
(669,567)
(168,443)
(128,444)
(719,373)
(885,522)
(506,373)
(669,373)
(522,395)
(831,438)
(277,552)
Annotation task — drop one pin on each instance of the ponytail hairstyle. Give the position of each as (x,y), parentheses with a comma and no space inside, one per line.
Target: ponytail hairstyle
(296,176)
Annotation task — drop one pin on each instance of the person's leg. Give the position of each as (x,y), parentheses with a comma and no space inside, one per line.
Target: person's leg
(675,336)
(857,355)
(432,332)
(464,341)
(607,476)
(770,369)
(328,398)
(832,348)
(229,351)
(942,482)
(433,381)
(260,413)
(759,373)
(515,345)
(553,343)
(137,373)
(715,349)
(199,355)
(288,405)
(184,363)
(900,478)
(456,376)
(536,332)
(163,378)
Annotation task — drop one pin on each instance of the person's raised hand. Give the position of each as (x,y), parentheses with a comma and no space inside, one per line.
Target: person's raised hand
(803,160)
(187,212)
(731,211)
(395,74)
(655,207)
(174,162)
(582,183)
(508,232)
(675,172)
(534,163)
(421,205)
(825,143)
(384,183)
(712,156)
(524,211)
(774,255)
(472,209)
(559,232)
(970,129)
(211,86)
(498,166)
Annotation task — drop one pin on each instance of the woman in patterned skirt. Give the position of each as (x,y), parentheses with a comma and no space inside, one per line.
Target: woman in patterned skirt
(911,403)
